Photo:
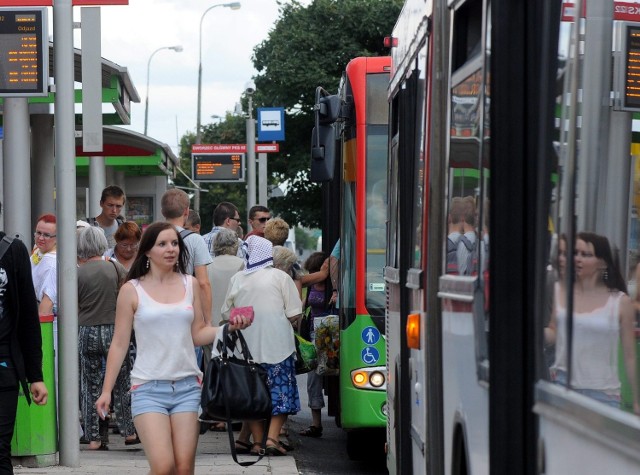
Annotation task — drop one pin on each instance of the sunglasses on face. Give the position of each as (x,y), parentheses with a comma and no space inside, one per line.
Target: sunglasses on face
(236,219)
(264,219)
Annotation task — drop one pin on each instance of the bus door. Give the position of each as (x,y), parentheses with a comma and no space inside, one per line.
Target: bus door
(404,274)
(464,280)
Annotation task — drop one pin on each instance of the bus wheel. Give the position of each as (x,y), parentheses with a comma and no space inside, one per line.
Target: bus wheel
(459,459)
(365,444)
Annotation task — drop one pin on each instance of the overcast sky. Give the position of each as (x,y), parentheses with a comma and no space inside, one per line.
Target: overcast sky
(130,34)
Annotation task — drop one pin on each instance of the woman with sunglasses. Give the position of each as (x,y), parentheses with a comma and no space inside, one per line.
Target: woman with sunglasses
(127,238)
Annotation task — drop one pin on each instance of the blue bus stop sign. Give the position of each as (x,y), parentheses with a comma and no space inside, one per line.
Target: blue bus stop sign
(271,124)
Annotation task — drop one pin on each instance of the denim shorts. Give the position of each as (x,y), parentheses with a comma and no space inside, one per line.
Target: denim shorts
(612,400)
(166,397)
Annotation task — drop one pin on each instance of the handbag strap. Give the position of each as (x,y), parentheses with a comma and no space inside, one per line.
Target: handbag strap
(265,425)
(230,342)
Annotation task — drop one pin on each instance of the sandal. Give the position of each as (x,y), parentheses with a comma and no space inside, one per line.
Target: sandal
(285,445)
(102,446)
(276,450)
(134,441)
(311,431)
(257,450)
(244,447)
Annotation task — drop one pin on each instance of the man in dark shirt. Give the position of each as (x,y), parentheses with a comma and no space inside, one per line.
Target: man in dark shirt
(20,343)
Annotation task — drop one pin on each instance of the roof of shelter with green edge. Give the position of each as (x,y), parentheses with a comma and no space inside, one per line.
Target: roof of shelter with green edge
(124,150)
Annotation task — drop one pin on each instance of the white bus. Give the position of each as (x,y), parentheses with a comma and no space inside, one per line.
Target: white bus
(510,136)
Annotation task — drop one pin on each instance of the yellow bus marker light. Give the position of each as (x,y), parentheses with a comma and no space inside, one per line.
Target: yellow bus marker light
(359,378)
(413,331)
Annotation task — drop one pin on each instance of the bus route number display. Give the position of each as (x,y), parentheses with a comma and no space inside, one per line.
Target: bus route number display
(24,52)
(218,167)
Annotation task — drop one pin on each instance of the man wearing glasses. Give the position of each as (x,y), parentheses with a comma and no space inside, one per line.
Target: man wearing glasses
(258,217)
(111,202)
(225,215)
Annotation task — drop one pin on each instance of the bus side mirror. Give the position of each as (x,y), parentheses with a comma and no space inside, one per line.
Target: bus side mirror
(323,153)
(328,109)
(326,112)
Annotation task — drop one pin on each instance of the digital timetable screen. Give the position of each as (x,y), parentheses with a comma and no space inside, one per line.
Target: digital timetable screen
(24,52)
(218,167)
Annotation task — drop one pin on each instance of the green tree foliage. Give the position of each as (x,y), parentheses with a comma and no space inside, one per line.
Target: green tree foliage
(309,46)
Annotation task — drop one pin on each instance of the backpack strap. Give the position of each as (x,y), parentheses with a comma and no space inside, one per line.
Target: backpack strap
(185,232)
(4,245)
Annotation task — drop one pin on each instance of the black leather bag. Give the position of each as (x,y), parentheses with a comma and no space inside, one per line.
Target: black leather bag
(235,389)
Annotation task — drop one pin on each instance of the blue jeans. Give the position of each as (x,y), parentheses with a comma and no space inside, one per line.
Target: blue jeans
(601,396)
(166,397)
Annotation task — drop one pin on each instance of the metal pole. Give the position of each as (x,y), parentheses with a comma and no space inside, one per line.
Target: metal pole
(66,230)
(262,179)
(16,146)
(233,6)
(97,183)
(594,135)
(42,169)
(177,49)
(251,160)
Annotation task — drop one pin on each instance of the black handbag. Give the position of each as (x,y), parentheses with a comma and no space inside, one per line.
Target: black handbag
(235,389)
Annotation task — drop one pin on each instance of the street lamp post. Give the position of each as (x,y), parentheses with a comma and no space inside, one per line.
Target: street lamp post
(177,49)
(233,6)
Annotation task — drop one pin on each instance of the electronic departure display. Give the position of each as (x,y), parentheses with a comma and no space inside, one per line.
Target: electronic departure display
(632,68)
(24,52)
(218,167)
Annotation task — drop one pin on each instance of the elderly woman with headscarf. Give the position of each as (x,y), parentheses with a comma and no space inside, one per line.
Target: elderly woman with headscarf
(276,304)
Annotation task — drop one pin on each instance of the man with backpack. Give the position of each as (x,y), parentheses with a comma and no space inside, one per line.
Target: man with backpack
(174,206)
(20,341)
(467,253)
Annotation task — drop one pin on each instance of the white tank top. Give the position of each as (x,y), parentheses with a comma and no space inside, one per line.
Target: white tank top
(595,346)
(165,348)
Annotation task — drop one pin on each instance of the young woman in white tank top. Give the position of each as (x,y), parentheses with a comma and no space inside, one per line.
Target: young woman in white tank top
(603,315)
(163,305)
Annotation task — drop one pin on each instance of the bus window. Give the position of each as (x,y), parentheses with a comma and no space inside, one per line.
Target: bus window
(418,194)
(590,342)
(377,118)
(464,176)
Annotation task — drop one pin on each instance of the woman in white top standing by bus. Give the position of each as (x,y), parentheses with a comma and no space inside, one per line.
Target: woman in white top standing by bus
(603,317)
(162,304)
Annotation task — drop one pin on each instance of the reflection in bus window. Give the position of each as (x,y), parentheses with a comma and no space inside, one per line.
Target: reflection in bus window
(603,317)
(467,252)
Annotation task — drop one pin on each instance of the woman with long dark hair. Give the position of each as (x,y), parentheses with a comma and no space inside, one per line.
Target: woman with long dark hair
(163,305)
(603,316)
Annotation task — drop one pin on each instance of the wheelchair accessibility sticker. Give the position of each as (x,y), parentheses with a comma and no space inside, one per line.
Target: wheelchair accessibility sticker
(370,355)
(370,335)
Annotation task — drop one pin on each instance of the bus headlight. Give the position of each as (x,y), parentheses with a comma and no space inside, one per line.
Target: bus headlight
(374,377)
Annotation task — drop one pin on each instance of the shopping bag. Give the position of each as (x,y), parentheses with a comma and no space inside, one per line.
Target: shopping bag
(306,359)
(327,342)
